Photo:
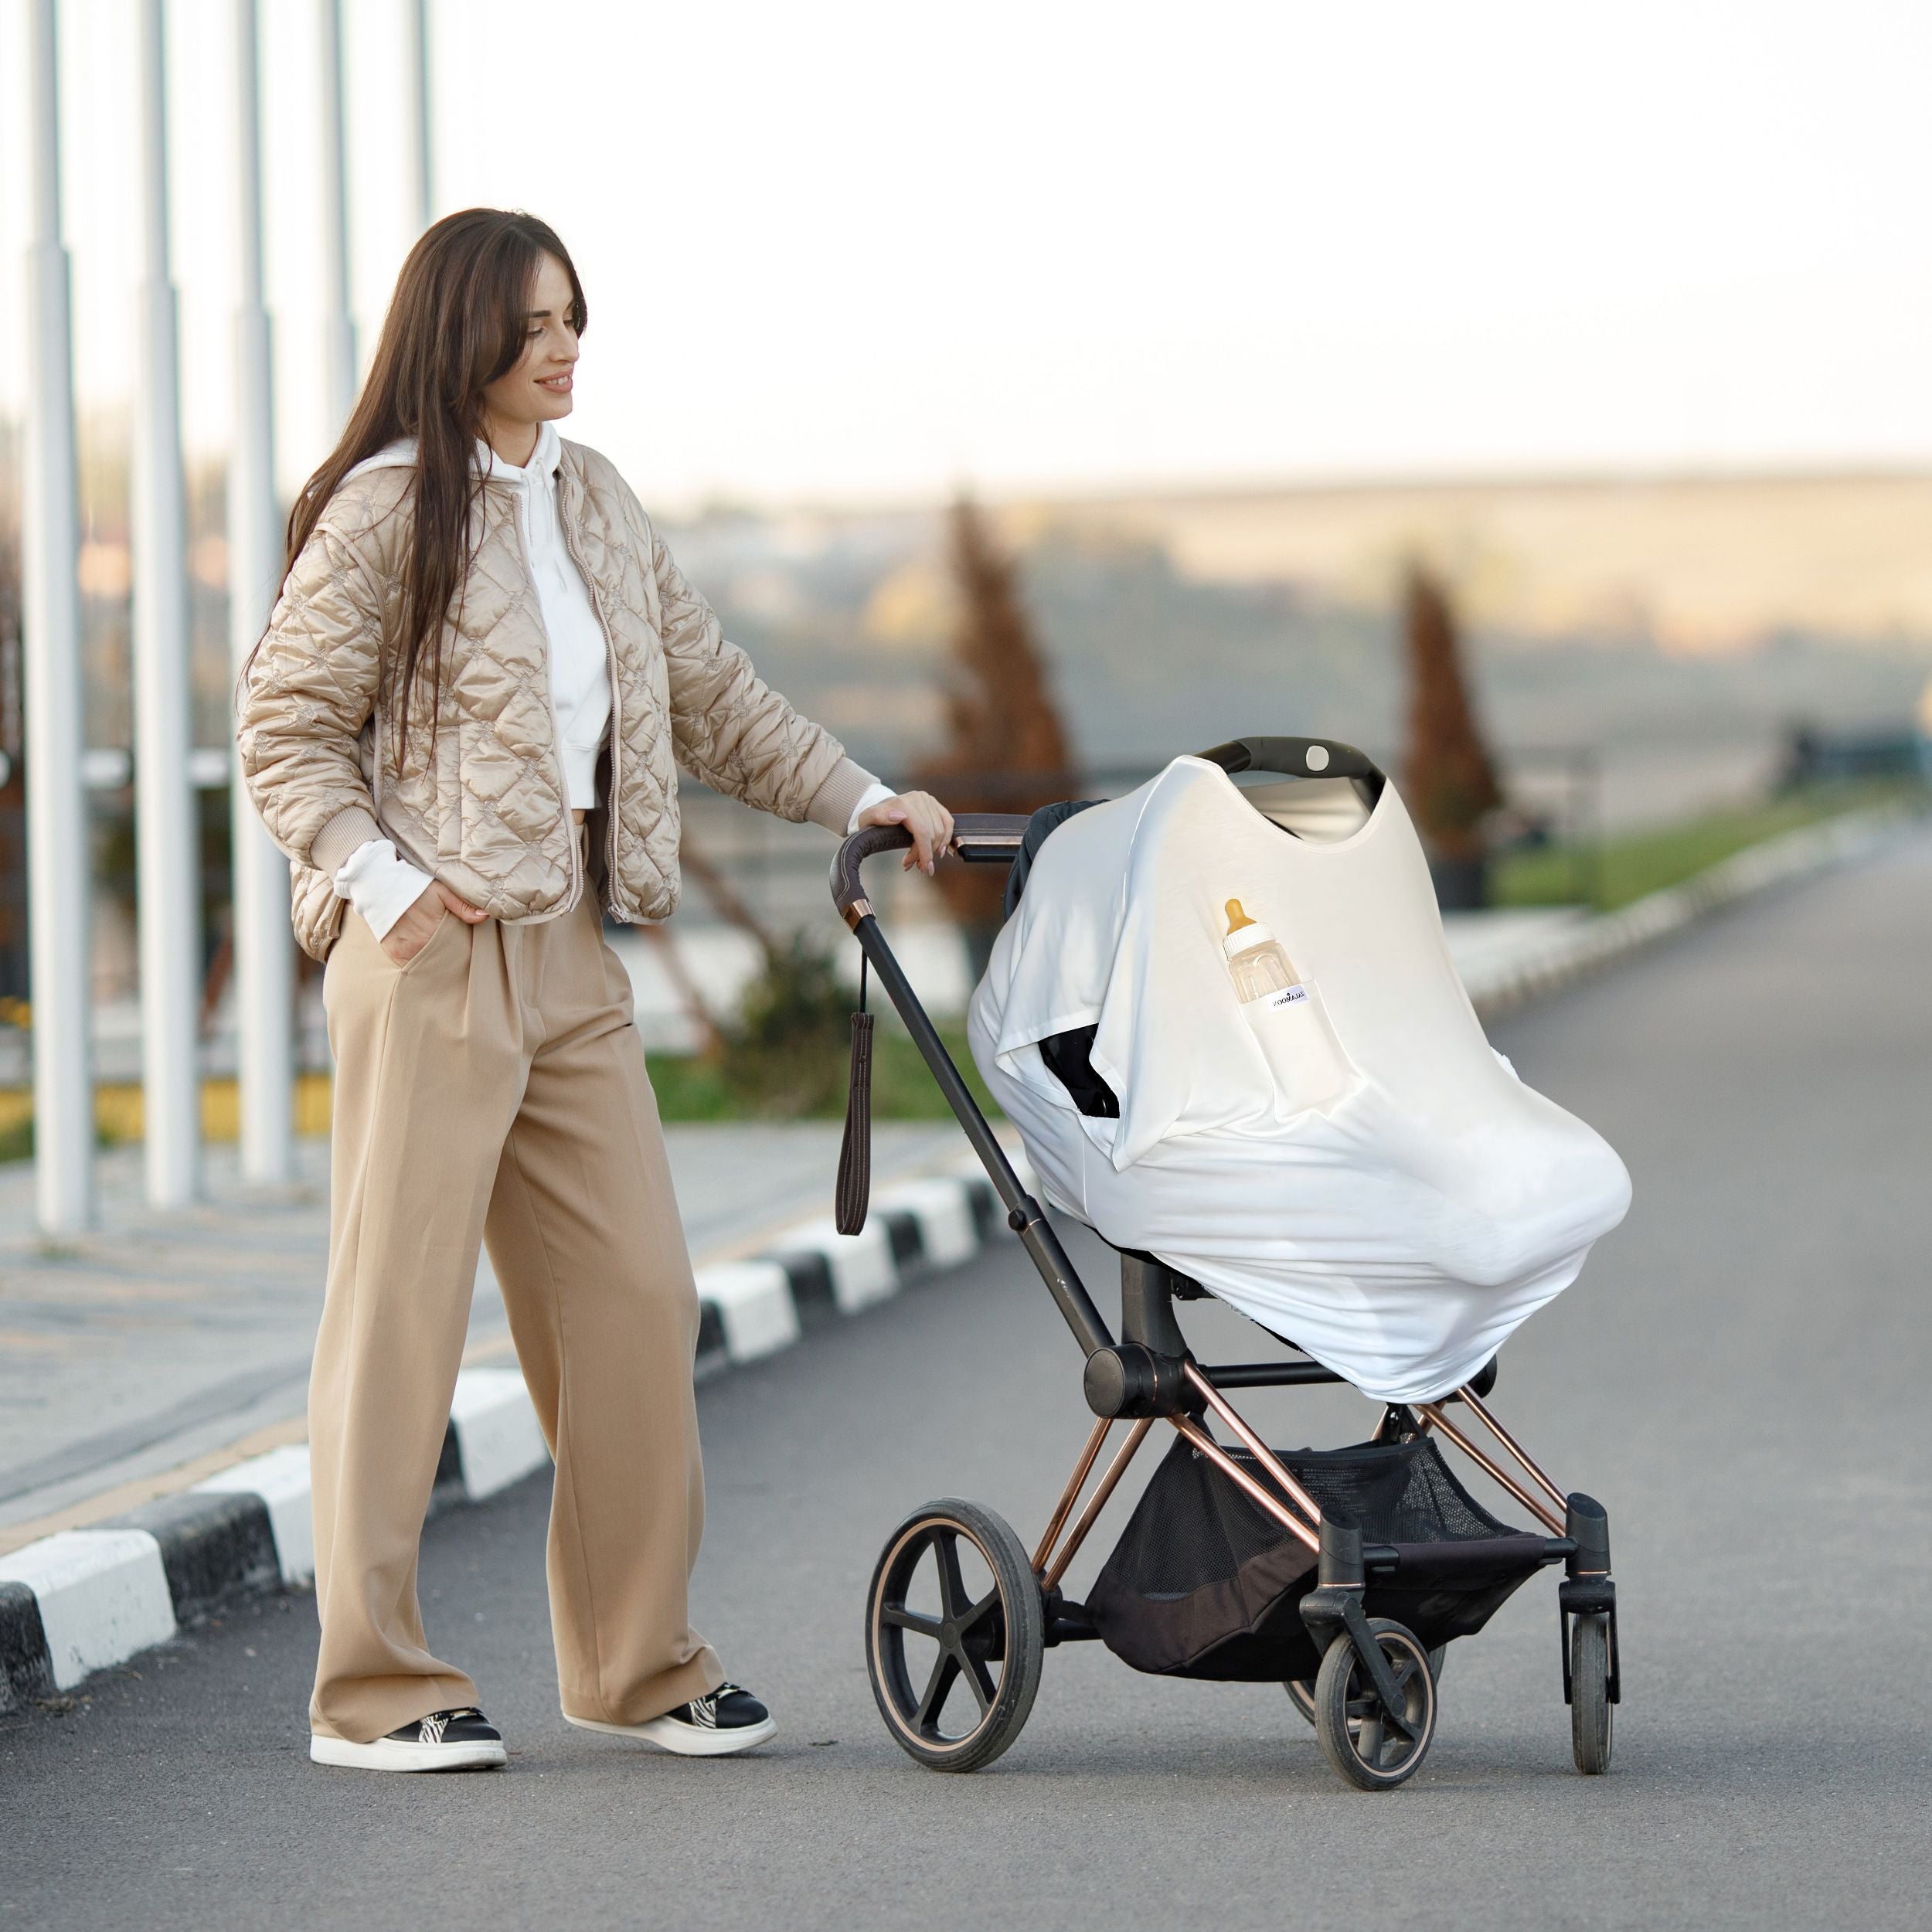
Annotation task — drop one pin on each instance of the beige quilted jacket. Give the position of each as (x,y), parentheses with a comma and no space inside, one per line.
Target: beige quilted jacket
(481,803)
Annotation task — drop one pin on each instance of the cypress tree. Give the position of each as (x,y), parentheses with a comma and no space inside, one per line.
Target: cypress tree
(1447,779)
(1005,750)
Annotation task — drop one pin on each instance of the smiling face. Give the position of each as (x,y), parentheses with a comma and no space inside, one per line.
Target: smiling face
(538,390)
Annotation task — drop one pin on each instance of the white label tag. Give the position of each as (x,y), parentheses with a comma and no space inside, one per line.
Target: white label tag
(1287,997)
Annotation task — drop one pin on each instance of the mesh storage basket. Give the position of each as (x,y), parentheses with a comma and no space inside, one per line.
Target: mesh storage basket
(1203,1584)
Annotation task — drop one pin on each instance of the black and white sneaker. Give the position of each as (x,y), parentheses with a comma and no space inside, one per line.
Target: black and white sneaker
(724,1721)
(458,1740)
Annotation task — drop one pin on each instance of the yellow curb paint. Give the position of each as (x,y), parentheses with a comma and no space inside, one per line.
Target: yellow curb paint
(118,1115)
(163,1482)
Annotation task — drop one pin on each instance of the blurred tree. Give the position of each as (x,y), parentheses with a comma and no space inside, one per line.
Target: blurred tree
(1006,749)
(1447,779)
(786,1054)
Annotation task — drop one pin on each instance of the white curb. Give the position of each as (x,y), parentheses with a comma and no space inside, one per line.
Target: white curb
(753,1299)
(498,1439)
(281,1478)
(861,1265)
(1581,947)
(947,1232)
(103,1595)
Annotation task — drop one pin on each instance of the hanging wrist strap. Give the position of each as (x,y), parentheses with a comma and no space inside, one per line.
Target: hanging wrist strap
(855,1154)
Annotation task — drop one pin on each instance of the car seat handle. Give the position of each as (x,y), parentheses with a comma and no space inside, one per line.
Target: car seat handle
(1295,758)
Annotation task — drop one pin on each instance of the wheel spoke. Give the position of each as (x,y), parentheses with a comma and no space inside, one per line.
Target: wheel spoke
(981,1679)
(1368,1742)
(945,1670)
(970,1617)
(952,1585)
(897,1616)
(1402,1668)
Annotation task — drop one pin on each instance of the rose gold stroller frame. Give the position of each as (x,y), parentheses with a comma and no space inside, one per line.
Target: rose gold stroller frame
(1151,1374)
(1294,1509)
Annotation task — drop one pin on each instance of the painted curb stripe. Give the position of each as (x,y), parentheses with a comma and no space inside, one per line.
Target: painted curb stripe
(280,1479)
(214,1548)
(27,1671)
(102,1594)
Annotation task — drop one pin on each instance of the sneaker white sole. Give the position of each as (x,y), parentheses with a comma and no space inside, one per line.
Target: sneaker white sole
(687,1740)
(392,1754)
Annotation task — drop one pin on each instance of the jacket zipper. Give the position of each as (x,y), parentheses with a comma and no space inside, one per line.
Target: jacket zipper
(549,702)
(617,718)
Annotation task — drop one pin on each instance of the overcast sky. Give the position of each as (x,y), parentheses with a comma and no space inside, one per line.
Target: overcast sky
(845,249)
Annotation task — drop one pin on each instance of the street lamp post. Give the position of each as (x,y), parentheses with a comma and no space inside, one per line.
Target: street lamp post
(340,335)
(263,949)
(57,867)
(165,846)
(420,171)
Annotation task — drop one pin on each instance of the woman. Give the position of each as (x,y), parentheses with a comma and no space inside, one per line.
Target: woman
(462,726)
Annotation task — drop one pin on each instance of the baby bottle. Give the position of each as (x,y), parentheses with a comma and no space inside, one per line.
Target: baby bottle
(1255,957)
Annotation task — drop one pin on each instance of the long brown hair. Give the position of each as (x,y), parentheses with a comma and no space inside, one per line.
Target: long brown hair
(456,323)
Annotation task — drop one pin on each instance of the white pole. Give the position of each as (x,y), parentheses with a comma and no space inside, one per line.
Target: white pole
(263,946)
(57,867)
(339,339)
(166,848)
(420,169)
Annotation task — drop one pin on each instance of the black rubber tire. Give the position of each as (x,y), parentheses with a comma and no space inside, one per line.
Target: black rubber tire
(1348,1714)
(1004,1625)
(1589,1708)
(1301,1690)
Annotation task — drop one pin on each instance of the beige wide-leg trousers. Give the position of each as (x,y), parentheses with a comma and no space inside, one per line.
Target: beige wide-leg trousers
(494,1089)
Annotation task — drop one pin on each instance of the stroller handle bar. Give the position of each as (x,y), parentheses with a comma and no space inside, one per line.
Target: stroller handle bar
(981,837)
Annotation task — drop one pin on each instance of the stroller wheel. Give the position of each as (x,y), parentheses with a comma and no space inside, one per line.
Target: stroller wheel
(954,1635)
(1301,1690)
(1370,1746)
(1590,1693)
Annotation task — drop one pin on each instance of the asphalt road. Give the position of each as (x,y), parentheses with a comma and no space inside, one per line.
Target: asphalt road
(1739,1375)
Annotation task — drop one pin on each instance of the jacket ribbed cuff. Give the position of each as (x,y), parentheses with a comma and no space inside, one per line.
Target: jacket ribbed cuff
(345,834)
(832,803)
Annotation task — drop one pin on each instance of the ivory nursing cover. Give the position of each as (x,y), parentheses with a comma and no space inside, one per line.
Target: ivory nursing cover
(1356,1169)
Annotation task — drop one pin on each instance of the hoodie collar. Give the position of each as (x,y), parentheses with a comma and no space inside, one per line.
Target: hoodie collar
(546,459)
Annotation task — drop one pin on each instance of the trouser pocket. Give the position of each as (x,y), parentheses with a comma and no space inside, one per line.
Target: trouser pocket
(1305,1058)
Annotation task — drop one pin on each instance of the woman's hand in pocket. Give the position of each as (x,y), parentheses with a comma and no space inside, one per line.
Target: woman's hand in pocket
(417,926)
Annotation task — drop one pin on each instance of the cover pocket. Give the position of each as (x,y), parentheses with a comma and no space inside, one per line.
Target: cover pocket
(1292,1031)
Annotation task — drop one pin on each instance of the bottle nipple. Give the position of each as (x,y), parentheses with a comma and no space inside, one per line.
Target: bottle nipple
(1237,917)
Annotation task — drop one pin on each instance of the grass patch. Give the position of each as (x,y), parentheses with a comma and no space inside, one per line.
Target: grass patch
(1637,864)
(903,1087)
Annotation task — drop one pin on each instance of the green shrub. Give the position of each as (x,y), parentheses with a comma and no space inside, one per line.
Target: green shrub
(786,1054)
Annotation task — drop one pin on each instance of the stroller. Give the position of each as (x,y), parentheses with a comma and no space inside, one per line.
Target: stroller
(1341,1574)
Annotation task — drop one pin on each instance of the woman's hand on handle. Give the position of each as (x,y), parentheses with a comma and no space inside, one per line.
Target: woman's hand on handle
(922,815)
(417,926)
